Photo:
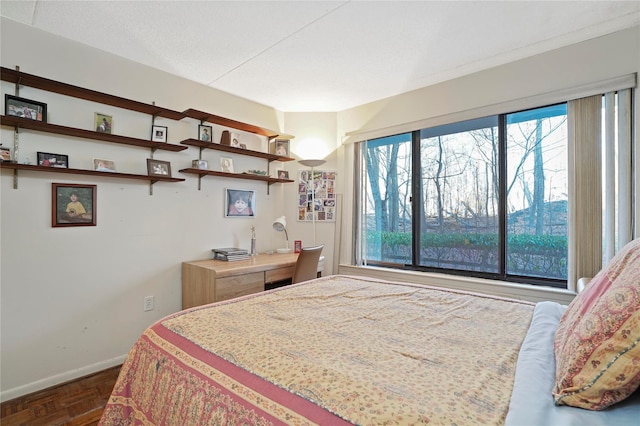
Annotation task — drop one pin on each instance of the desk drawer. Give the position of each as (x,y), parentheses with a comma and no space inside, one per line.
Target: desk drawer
(239,285)
(278,274)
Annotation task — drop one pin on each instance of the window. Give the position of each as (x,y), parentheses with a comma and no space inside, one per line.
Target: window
(491,197)
(542,195)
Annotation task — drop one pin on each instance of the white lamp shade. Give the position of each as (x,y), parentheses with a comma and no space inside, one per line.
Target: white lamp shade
(312,163)
(280,224)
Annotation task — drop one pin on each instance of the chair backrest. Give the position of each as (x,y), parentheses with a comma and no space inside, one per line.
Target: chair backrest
(307,264)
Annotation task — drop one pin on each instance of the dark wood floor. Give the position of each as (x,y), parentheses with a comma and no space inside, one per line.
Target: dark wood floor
(79,402)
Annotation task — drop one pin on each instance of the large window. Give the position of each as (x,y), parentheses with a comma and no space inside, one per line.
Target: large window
(540,196)
(486,197)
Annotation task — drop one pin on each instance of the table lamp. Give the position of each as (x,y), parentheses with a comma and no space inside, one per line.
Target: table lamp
(280,225)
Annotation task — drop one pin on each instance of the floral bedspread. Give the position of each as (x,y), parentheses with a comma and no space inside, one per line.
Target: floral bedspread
(337,350)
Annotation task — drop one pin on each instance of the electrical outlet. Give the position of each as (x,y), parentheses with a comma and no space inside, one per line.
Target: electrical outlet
(148,303)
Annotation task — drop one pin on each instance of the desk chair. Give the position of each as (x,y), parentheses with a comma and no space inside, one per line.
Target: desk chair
(307,264)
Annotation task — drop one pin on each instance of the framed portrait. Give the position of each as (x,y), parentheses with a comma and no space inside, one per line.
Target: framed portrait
(25,108)
(47,159)
(297,246)
(205,133)
(200,164)
(234,140)
(5,154)
(283,174)
(240,203)
(226,164)
(103,123)
(159,133)
(101,165)
(280,147)
(73,205)
(158,168)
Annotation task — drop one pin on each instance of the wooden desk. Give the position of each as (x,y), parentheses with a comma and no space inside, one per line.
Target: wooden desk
(207,281)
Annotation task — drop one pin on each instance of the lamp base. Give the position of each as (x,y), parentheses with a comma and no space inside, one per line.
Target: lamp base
(284,250)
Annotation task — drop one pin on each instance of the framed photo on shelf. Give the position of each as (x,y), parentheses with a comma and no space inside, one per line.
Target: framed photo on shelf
(159,133)
(103,123)
(5,154)
(47,159)
(279,147)
(158,168)
(283,174)
(205,133)
(240,203)
(73,205)
(101,165)
(200,164)
(25,108)
(226,164)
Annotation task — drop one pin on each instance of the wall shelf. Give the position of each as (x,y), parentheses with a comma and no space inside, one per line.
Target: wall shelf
(34,168)
(247,176)
(226,148)
(24,123)
(22,78)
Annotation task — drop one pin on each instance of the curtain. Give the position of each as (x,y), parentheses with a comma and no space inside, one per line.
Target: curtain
(600,181)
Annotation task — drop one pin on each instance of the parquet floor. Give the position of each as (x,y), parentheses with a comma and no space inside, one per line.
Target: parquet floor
(76,403)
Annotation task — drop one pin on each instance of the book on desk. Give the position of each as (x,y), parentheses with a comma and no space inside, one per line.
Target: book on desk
(230,254)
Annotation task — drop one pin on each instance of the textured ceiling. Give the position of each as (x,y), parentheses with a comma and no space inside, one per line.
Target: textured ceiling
(323,55)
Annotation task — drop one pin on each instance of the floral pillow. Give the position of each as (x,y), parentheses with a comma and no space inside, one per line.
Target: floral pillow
(597,344)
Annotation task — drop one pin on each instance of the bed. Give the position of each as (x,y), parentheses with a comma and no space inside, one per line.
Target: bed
(353,350)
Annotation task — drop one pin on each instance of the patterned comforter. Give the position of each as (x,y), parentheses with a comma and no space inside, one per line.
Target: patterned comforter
(336,350)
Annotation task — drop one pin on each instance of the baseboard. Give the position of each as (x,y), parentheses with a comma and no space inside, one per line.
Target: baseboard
(526,292)
(48,382)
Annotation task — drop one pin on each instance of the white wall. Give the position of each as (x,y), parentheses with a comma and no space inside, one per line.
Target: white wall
(71,298)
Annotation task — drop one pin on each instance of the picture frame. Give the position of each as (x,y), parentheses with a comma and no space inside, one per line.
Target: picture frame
(205,133)
(25,108)
(73,205)
(240,203)
(103,123)
(200,164)
(234,140)
(47,159)
(297,246)
(5,154)
(159,133)
(283,174)
(280,147)
(158,168)
(226,164)
(101,165)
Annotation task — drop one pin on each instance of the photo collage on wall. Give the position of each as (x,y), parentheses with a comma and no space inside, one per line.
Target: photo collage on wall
(324,197)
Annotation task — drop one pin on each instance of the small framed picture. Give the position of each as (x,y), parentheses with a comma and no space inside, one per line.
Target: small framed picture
(25,108)
(283,174)
(103,123)
(280,147)
(159,133)
(5,154)
(234,140)
(226,164)
(297,246)
(47,159)
(200,164)
(205,133)
(101,165)
(73,205)
(158,168)
(240,203)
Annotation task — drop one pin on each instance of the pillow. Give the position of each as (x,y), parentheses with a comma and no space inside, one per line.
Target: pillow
(597,344)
